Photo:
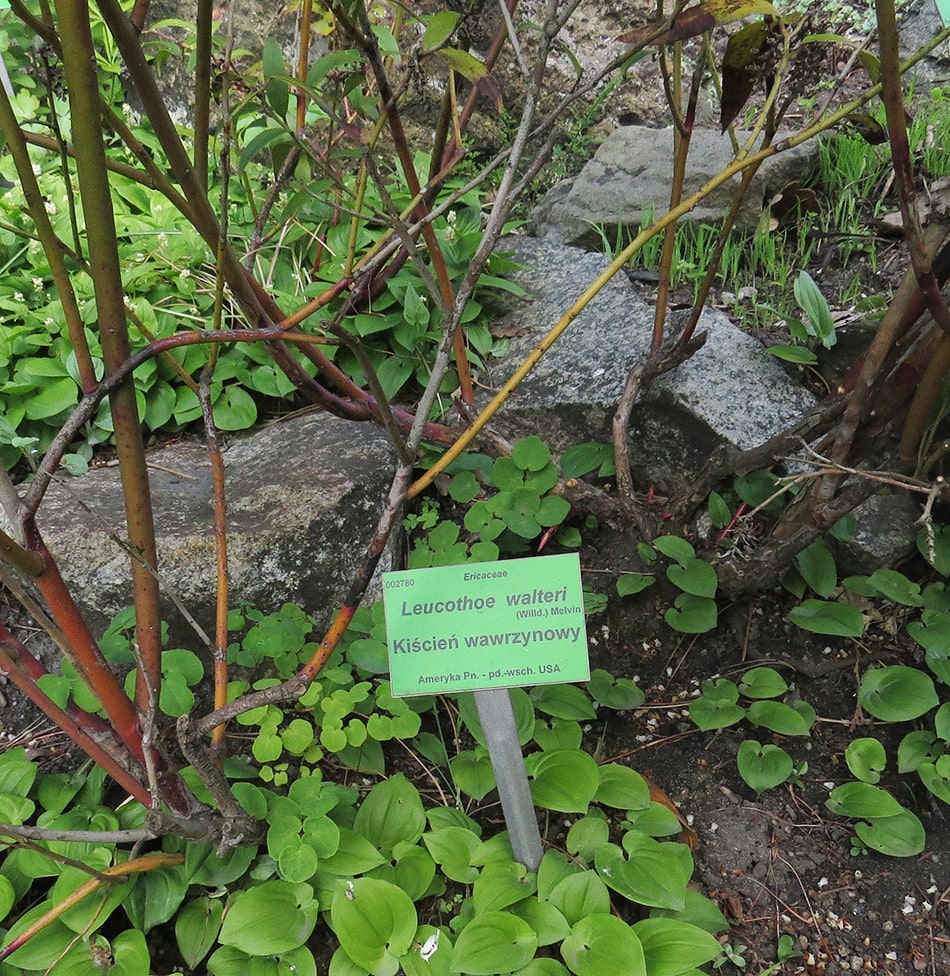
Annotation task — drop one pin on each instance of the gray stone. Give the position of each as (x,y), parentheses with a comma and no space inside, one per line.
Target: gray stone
(919,25)
(628,179)
(303,498)
(253,22)
(885,536)
(731,390)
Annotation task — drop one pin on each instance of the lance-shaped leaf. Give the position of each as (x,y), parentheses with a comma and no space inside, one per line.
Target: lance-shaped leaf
(699,19)
(750,55)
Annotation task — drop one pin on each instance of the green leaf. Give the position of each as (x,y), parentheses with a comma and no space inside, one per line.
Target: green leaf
(932,632)
(897,694)
(719,512)
(524,715)
(228,961)
(936,777)
(375,922)
(393,373)
(656,821)
(429,955)
(52,399)
(7,896)
(593,602)
(674,548)
(270,918)
(569,536)
(897,587)
(159,405)
(565,780)
(716,708)
(500,885)
(698,910)
(234,409)
(672,947)
(824,617)
(530,454)
(862,800)
(756,488)
(354,855)
(130,953)
(762,683)
(493,944)
(439,28)
(586,835)
(452,849)
(552,510)
(942,722)
(549,925)
(390,813)
(694,576)
(562,701)
(583,458)
(630,583)
(654,873)
(473,773)
(692,614)
(196,928)
(519,511)
(915,748)
(276,92)
(623,788)
(817,568)
(467,65)
(866,759)
(801,355)
(297,861)
(900,836)
(809,297)
(600,945)
(936,550)
(763,766)
(611,692)
(165,890)
(782,718)
(464,487)
(579,895)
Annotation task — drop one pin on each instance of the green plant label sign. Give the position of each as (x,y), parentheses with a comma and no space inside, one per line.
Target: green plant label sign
(486,625)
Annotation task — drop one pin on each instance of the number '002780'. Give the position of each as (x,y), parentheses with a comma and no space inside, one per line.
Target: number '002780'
(391,584)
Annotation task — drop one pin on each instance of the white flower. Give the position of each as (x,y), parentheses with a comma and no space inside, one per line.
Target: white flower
(163,240)
(37,284)
(18,296)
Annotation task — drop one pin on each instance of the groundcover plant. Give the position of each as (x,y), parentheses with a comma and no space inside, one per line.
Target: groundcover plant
(298,237)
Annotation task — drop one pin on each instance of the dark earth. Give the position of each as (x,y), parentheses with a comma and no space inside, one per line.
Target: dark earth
(779,862)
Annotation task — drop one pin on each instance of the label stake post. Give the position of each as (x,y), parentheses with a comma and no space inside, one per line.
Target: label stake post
(486,628)
(498,723)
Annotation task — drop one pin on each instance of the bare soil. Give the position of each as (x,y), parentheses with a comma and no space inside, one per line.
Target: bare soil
(778,862)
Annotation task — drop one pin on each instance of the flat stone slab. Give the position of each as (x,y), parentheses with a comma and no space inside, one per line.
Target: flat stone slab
(628,182)
(303,498)
(730,390)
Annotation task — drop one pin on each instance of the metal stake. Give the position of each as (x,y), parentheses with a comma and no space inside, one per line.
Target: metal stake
(498,723)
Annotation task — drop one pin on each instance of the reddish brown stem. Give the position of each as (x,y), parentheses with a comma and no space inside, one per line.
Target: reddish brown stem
(23,669)
(87,658)
(219,649)
(96,195)
(367,41)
